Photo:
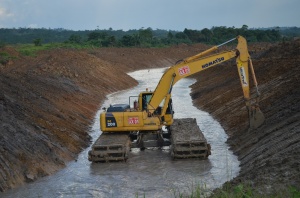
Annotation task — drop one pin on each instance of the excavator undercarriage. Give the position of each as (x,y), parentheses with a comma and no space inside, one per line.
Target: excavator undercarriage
(184,138)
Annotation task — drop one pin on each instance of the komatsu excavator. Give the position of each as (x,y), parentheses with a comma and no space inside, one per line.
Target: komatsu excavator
(148,121)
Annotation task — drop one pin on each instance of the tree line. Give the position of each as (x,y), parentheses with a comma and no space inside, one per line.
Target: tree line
(144,37)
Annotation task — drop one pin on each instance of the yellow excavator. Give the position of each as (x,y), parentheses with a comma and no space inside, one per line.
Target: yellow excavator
(147,121)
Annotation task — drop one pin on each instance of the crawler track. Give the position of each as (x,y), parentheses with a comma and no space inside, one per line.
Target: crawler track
(110,147)
(187,140)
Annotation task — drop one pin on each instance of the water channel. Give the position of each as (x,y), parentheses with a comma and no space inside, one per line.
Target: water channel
(149,173)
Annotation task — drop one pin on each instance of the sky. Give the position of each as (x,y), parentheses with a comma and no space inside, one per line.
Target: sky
(156,14)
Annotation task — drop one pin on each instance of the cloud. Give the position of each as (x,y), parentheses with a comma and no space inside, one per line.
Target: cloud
(32,26)
(134,14)
(5,13)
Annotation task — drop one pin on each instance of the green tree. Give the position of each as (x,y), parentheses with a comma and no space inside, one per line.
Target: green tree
(75,38)
(207,34)
(2,44)
(128,41)
(245,27)
(146,34)
(181,35)
(96,36)
(108,41)
(170,35)
(37,42)
(194,35)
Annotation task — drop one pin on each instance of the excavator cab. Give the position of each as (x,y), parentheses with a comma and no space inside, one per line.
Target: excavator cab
(144,99)
(163,111)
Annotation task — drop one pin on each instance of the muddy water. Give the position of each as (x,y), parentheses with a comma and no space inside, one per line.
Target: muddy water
(149,173)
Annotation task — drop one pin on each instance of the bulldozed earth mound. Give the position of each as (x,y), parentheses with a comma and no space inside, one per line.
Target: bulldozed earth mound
(48,102)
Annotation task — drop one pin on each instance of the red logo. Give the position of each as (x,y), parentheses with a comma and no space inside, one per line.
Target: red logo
(133,120)
(184,70)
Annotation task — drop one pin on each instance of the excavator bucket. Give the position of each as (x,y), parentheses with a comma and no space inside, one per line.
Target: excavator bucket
(256,117)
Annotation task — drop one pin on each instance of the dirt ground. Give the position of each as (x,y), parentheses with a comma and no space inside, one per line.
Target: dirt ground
(47,104)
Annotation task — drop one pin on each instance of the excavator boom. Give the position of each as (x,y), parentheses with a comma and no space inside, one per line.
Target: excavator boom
(203,61)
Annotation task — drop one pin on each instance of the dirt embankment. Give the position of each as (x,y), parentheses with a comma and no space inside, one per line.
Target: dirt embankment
(270,155)
(47,104)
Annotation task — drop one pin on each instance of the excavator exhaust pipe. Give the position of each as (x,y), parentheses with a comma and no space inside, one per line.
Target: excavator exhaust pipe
(256,117)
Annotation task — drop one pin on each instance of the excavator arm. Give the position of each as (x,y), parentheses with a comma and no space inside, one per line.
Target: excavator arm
(203,61)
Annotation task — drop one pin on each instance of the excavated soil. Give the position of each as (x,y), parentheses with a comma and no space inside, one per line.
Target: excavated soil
(47,104)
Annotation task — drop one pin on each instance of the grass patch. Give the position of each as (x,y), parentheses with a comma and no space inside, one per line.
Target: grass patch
(245,191)
(238,191)
(5,57)
(32,50)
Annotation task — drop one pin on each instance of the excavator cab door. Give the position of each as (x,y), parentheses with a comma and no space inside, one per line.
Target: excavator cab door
(146,97)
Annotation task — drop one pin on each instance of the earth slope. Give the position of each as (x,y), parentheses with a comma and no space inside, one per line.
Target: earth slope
(270,155)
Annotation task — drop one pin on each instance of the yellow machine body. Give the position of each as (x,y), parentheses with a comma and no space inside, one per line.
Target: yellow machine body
(152,110)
